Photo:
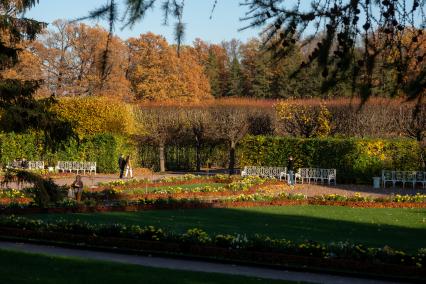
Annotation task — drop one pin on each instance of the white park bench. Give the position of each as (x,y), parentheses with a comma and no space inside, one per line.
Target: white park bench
(32,165)
(316,175)
(36,165)
(260,171)
(68,166)
(403,177)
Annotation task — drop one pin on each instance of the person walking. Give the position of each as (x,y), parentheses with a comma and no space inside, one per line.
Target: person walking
(290,169)
(128,167)
(121,164)
(76,189)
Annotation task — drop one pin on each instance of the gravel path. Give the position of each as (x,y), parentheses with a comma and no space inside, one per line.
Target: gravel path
(188,265)
(307,189)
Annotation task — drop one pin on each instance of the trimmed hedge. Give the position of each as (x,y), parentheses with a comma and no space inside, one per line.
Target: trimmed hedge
(356,160)
(101,148)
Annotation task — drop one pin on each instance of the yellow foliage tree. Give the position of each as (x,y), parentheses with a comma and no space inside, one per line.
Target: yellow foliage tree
(91,115)
(304,120)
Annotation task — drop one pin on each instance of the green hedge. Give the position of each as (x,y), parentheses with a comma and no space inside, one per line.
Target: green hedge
(356,160)
(101,148)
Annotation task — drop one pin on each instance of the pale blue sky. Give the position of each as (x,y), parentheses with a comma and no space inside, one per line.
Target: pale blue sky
(223,26)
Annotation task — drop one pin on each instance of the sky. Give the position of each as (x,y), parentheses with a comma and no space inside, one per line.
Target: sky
(223,26)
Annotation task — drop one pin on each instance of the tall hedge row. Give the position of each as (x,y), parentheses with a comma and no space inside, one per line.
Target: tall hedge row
(356,160)
(101,148)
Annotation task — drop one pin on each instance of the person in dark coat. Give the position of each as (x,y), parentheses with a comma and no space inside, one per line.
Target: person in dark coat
(290,170)
(121,165)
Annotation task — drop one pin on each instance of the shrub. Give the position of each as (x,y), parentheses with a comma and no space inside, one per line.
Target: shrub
(103,148)
(93,115)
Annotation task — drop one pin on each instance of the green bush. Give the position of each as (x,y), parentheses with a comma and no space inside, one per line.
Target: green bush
(103,149)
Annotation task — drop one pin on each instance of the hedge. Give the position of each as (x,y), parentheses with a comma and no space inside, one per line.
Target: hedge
(356,160)
(101,148)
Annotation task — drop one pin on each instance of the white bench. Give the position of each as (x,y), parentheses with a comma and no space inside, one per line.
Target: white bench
(316,174)
(68,166)
(36,165)
(270,172)
(403,177)
(32,165)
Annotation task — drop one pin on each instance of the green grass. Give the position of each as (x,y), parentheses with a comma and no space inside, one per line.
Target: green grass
(17,267)
(402,228)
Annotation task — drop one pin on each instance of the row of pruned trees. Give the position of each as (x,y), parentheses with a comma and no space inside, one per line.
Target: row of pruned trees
(195,126)
(228,123)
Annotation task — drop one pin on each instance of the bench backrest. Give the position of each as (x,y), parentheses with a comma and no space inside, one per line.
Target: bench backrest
(74,166)
(388,175)
(264,171)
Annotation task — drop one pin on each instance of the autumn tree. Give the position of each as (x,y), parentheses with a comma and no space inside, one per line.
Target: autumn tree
(304,120)
(157,73)
(92,115)
(72,61)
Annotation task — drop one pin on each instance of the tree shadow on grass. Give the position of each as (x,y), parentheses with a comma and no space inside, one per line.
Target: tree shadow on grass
(398,228)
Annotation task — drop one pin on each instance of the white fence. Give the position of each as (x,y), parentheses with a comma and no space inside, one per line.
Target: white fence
(68,166)
(403,177)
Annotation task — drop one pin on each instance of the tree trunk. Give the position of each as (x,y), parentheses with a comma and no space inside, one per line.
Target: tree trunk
(198,154)
(232,158)
(162,159)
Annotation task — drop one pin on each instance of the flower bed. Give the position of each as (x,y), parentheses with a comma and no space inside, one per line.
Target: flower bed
(254,249)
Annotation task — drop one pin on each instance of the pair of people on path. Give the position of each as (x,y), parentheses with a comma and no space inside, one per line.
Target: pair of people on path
(125,164)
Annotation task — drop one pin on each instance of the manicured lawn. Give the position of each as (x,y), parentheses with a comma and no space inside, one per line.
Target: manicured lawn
(17,267)
(399,228)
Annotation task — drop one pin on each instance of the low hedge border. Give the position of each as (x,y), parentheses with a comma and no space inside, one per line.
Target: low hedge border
(343,257)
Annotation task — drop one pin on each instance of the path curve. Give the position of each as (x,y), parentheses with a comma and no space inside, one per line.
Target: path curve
(188,265)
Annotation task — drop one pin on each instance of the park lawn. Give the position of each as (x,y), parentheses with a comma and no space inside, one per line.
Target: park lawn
(401,228)
(18,267)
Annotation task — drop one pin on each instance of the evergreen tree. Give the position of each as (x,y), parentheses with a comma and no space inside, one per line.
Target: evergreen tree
(20,110)
(235,87)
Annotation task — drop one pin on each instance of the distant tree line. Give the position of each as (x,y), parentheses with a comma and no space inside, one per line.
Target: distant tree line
(69,58)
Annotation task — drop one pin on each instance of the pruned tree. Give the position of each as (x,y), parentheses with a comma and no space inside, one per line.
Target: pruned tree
(304,120)
(413,121)
(160,124)
(200,125)
(231,125)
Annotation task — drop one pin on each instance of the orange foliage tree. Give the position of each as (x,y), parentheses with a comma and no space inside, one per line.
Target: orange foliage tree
(72,61)
(156,72)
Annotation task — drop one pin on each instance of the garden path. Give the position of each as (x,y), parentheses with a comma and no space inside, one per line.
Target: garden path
(188,265)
